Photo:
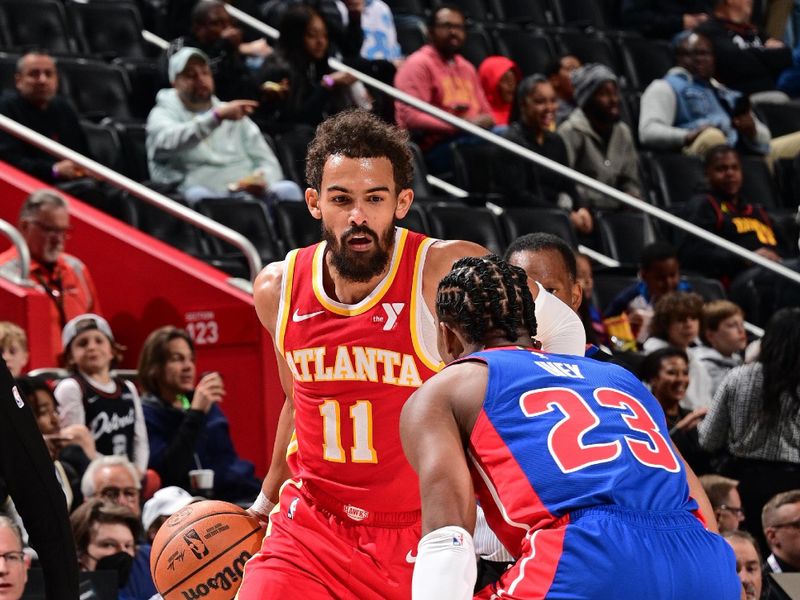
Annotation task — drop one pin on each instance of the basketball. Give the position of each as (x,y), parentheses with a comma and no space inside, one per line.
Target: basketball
(200,551)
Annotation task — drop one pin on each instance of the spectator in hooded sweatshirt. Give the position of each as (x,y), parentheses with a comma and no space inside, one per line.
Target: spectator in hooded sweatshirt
(499,78)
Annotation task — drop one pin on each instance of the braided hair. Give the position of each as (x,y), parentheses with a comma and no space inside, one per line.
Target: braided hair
(486,295)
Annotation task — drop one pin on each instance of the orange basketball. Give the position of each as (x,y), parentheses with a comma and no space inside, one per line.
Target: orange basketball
(200,551)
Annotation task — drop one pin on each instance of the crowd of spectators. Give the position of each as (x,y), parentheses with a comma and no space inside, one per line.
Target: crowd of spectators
(735,421)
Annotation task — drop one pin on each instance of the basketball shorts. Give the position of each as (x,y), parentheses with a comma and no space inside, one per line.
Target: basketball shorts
(612,552)
(315,551)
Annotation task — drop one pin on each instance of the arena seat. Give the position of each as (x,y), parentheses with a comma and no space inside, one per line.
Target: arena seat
(292,146)
(608,285)
(623,235)
(8,67)
(758,184)
(104,144)
(36,23)
(132,138)
(97,89)
(477,224)
(518,221)
(146,79)
(416,220)
(474,10)
(411,34)
(477,45)
(709,289)
(590,48)
(524,12)
(248,217)
(475,168)
(408,7)
(115,204)
(579,13)
(675,176)
(108,28)
(780,118)
(644,60)
(532,50)
(296,226)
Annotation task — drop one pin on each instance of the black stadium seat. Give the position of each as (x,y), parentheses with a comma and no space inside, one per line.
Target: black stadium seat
(474,10)
(758,184)
(248,217)
(296,226)
(524,12)
(579,13)
(623,235)
(645,60)
(532,50)
(97,89)
(36,23)
(108,28)
(475,224)
(590,48)
(292,147)
(780,118)
(411,34)
(518,221)
(8,67)
(104,144)
(132,137)
(676,177)
(416,220)
(477,45)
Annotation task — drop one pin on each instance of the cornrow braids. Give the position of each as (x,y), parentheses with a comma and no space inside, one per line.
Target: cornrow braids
(485,294)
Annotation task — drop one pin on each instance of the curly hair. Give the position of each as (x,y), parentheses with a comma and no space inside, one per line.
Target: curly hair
(675,306)
(359,134)
(486,295)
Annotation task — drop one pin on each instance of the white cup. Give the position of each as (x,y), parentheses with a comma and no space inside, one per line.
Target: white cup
(202,481)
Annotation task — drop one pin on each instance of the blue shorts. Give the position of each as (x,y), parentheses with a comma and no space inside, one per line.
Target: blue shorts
(613,552)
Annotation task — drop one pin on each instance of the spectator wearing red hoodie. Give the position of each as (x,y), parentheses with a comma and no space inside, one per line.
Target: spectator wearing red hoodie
(499,78)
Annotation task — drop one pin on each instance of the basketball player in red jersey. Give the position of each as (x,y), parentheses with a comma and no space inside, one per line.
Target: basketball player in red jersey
(351,319)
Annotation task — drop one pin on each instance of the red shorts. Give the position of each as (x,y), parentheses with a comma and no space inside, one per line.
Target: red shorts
(315,551)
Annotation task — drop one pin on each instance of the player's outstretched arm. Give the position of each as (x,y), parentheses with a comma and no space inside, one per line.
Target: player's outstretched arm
(267,289)
(434,438)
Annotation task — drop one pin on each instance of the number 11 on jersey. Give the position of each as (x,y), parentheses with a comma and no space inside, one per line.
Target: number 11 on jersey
(362,450)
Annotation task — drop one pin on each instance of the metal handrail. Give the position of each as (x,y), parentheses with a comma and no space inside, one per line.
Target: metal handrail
(531,156)
(24,254)
(137,189)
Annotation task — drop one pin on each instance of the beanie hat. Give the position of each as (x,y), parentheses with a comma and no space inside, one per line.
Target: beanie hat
(586,80)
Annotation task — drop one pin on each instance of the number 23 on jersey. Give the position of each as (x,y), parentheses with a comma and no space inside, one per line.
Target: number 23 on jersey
(565,440)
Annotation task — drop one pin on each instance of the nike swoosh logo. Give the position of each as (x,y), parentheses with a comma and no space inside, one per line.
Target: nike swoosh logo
(297,317)
(410,558)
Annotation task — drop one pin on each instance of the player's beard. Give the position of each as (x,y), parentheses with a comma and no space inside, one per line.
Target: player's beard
(359,266)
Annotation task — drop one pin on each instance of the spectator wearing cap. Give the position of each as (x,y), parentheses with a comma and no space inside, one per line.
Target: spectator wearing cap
(44,224)
(598,143)
(206,147)
(164,503)
(108,405)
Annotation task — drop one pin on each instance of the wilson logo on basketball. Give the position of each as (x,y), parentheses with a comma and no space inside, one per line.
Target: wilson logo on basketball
(222,580)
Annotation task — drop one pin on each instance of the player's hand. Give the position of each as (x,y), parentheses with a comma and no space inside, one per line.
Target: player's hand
(235,109)
(691,420)
(209,390)
(263,520)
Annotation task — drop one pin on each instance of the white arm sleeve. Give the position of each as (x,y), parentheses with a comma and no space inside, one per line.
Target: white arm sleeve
(557,326)
(69,397)
(141,446)
(446,566)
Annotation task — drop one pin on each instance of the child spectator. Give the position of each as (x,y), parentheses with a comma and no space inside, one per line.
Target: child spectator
(108,406)
(14,346)
(71,448)
(499,78)
(676,322)
(725,338)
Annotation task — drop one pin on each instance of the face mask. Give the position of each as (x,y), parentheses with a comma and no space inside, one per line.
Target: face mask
(121,562)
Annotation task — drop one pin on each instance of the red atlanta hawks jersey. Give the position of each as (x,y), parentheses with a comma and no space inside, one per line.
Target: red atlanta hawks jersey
(353,367)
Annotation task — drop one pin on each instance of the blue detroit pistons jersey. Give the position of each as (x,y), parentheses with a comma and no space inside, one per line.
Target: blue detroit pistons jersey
(561,433)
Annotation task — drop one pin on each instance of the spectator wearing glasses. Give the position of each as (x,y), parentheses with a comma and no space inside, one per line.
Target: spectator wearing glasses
(14,563)
(45,226)
(754,417)
(748,564)
(725,501)
(780,519)
(114,480)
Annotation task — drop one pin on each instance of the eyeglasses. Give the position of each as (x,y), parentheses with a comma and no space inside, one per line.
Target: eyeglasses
(790,524)
(112,493)
(451,26)
(13,558)
(54,231)
(737,510)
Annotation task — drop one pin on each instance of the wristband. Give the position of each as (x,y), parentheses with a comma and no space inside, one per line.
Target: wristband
(328,81)
(216,115)
(263,505)
(54,172)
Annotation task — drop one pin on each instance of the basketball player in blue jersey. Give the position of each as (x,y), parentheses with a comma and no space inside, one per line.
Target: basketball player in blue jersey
(569,458)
